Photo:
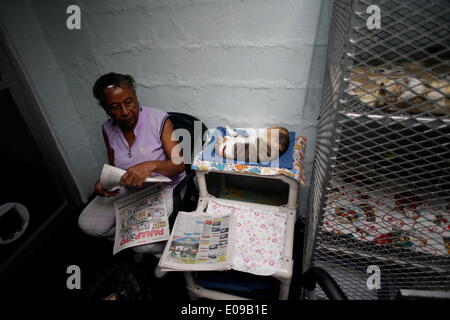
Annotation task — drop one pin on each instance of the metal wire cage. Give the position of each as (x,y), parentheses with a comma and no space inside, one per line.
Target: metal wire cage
(380,191)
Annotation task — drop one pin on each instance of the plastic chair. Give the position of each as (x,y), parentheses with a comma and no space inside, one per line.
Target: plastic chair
(187,122)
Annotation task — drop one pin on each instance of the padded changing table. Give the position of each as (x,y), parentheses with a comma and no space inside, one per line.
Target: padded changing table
(292,176)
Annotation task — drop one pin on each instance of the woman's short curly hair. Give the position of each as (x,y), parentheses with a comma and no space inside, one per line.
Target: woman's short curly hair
(110,79)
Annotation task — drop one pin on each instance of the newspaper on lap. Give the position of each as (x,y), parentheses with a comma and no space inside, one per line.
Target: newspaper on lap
(141,218)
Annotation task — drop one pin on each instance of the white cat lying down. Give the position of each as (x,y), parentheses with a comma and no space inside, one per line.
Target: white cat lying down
(253,145)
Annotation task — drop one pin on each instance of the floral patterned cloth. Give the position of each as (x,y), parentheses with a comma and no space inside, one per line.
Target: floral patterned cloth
(295,173)
(392,218)
(259,237)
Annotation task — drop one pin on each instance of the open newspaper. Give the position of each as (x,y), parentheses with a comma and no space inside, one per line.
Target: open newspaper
(141,218)
(199,242)
(226,237)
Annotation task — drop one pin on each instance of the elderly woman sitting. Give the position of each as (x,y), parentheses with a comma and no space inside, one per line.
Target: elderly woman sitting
(137,140)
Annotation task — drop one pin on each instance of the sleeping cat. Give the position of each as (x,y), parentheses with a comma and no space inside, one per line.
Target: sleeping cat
(253,145)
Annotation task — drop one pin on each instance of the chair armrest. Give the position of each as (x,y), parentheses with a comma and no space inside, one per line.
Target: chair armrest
(184,182)
(326,282)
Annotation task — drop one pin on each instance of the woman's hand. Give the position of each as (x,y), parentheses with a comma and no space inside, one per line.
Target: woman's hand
(136,175)
(104,193)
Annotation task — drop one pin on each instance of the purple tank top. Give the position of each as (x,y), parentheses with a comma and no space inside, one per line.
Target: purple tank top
(147,145)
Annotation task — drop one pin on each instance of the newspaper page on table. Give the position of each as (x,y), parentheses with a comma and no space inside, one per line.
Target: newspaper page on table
(141,218)
(199,242)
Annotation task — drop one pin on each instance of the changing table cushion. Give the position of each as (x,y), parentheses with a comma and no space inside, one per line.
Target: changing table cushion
(296,172)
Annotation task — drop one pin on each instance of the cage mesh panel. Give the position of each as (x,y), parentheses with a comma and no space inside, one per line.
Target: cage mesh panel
(384,131)
(327,119)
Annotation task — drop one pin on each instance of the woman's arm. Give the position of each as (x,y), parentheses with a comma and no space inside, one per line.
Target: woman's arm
(174,163)
(136,175)
(109,150)
(98,187)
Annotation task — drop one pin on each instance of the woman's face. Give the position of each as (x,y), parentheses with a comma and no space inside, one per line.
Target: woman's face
(121,105)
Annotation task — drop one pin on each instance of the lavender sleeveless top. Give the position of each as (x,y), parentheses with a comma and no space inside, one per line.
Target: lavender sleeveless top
(147,145)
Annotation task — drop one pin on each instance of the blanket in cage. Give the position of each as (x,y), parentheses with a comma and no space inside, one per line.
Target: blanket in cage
(389,217)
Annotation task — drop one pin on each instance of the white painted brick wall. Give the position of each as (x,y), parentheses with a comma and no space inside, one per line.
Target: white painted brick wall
(235,62)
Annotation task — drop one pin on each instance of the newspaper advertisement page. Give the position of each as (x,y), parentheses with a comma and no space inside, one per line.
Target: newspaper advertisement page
(199,242)
(141,218)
